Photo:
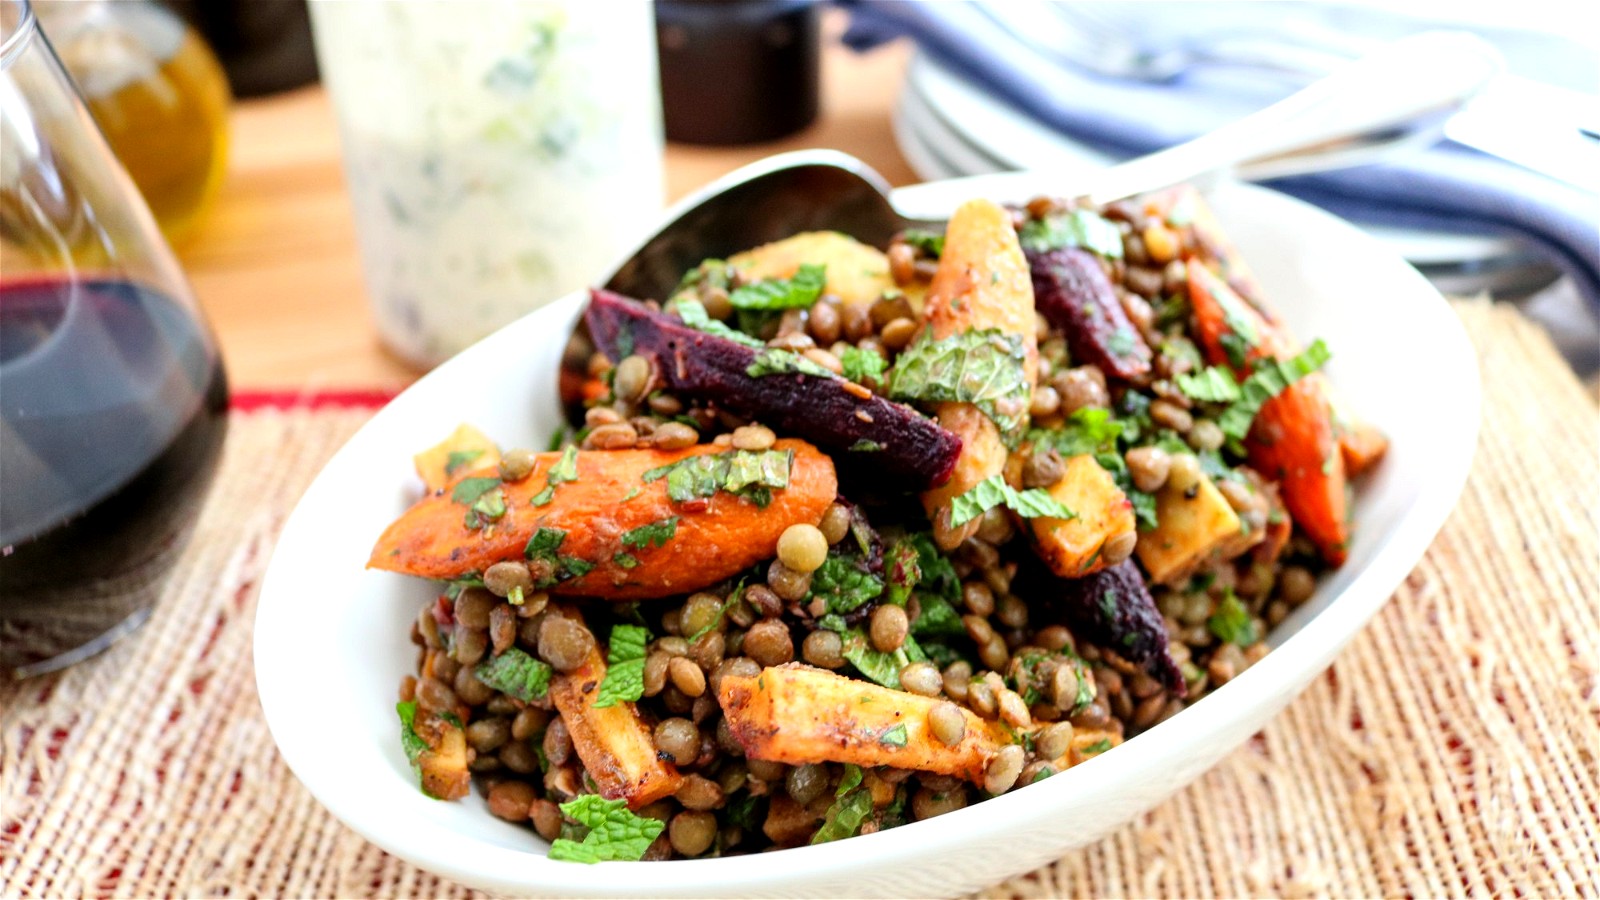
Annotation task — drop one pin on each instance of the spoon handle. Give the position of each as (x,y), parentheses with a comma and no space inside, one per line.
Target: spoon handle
(1400,93)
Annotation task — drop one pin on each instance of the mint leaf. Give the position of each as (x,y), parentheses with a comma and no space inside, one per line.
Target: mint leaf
(1075,228)
(656,534)
(750,474)
(459,458)
(844,584)
(884,668)
(489,507)
(901,570)
(625,560)
(1270,378)
(862,365)
(468,490)
(929,242)
(849,810)
(1231,622)
(544,544)
(515,673)
(983,367)
(784,362)
(624,679)
(695,316)
(1099,746)
(993,491)
(413,745)
(614,832)
(1213,384)
(1089,430)
(798,292)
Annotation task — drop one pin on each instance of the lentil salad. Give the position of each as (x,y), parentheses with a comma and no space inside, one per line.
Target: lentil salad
(851,538)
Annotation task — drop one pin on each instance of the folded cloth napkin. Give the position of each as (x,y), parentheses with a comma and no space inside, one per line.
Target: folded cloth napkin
(1446,188)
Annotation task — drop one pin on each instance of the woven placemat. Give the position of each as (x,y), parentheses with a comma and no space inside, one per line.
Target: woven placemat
(1451,749)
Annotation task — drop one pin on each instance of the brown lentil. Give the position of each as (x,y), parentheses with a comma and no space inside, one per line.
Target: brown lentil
(596,416)
(564,644)
(922,678)
(1012,710)
(692,832)
(753,437)
(488,735)
(519,758)
(855,320)
(1170,415)
(678,740)
(763,600)
(655,672)
(502,628)
(546,818)
(557,742)
(1046,402)
(1206,435)
(978,598)
(1119,547)
(957,678)
(902,263)
(517,464)
(686,676)
(1148,466)
(435,694)
(1082,387)
(1011,611)
(835,523)
(802,547)
(994,652)
(824,649)
(511,800)
(471,644)
(632,378)
(926,804)
(1003,770)
(897,334)
(1296,585)
(469,689)
(699,793)
(529,722)
(786,582)
(890,307)
(981,699)
(708,651)
(947,723)
(1184,474)
(473,606)
(616,436)
(806,783)
(888,628)
(674,436)
(768,643)
(1053,637)
(1053,741)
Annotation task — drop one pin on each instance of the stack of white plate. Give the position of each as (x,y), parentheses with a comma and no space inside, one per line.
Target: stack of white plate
(947,127)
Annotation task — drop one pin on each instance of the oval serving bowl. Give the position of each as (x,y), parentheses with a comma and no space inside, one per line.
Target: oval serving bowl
(1400,355)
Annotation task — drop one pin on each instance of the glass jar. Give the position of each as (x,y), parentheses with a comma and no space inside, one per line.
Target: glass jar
(498,154)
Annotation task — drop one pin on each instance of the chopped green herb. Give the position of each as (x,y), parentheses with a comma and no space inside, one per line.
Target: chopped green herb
(1076,228)
(656,534)
(852,805)
(489,507)
(631,494)
(1043,773)
(862,364)
(993,491)
(1231,622)
(798,292)
(468,490)
(929,242)
(730,603)
(1099,746)
(625,560)
(884,668)
(893,737)
(983,367)
(413,744)
(544,544)
(694,315)
(624,679)
(865,445)
(1270,378)
(459,458)
(515,673)
(844,584)
(614,832)
(750,474)
(1121,341)
(574,567)
(784,362)
(544,496)
(1089,430)
(1213,384)
(901,572)
(566,468)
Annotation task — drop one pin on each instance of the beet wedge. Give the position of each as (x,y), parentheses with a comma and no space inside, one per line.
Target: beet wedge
(1113,608)
(894,441)
(1073,293)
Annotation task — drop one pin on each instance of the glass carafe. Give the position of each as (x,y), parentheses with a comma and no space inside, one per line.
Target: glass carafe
(112,395)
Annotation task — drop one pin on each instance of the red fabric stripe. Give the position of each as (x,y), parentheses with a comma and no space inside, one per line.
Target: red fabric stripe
(250,400)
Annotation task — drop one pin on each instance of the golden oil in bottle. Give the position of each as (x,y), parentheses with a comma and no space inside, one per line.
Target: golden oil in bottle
(157,93)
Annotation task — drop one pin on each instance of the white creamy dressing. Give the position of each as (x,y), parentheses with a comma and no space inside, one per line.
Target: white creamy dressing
(499,154)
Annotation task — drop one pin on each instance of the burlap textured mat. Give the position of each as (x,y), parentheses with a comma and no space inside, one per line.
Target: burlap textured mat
(1453,749)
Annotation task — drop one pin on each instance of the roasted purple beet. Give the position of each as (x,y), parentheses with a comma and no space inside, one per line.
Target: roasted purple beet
(866,430)
(1074,294)
(1114,609)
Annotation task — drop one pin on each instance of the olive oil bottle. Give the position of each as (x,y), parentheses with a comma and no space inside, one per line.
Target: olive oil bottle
(158,94)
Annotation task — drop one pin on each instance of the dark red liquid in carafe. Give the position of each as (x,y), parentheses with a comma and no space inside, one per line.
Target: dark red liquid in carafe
(112,413)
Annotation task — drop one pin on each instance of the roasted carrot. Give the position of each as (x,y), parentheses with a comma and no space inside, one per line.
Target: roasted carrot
(982,282)
(616,747)
(585,536)
(1292,440)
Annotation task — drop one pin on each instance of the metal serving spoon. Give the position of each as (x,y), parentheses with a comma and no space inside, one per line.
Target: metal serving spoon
(1394,98)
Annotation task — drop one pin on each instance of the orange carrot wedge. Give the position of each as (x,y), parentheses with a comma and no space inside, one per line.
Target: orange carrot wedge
(1292,440)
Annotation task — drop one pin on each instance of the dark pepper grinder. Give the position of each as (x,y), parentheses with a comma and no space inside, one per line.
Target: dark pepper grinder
(738,71)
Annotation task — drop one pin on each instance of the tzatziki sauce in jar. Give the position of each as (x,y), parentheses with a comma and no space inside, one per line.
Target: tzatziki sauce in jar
(498,153)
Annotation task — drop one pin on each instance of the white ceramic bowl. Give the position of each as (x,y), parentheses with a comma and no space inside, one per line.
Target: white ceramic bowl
(1399,354)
